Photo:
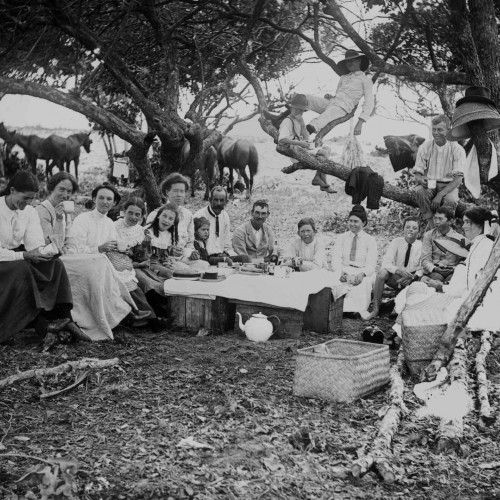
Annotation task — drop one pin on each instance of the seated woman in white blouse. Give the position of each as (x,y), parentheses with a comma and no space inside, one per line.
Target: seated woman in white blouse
(354,258)
(94,233)
(306,247)
(34,286)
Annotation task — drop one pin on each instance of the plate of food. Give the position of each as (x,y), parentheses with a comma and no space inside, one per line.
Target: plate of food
(188,274)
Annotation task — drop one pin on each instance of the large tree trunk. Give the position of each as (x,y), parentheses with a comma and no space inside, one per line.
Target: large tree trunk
(138,155)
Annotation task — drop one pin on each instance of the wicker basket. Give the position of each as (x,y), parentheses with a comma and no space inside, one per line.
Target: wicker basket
(348,371)
(422,330)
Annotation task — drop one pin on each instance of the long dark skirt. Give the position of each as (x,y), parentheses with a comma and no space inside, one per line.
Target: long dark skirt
(27,289)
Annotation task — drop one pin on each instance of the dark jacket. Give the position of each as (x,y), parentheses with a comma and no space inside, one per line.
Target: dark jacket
(364,182)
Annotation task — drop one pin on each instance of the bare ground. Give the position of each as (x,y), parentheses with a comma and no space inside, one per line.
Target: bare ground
(215,417)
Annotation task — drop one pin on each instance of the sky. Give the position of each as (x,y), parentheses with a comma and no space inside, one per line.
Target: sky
(24,111)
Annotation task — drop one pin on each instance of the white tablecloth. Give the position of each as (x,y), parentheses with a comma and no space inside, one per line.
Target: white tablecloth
(292,292)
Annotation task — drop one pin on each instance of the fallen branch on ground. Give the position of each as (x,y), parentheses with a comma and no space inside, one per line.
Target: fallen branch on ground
(482,379)
(64,368)
(76,383)
(451,429)
(381,455)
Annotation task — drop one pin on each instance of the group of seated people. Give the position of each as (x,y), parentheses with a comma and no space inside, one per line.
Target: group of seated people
(114,271)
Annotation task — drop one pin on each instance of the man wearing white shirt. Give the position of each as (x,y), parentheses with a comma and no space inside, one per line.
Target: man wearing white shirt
(400,262)
(438,171)
(219,239)
(255,238)
(355,257)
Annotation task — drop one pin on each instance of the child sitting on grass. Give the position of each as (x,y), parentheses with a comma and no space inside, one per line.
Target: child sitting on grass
(201,233)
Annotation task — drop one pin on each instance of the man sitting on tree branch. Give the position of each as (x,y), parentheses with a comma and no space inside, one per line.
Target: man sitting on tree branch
(354,84)
(439,170)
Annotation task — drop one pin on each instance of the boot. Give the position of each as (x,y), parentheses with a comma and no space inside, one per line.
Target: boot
(275,119)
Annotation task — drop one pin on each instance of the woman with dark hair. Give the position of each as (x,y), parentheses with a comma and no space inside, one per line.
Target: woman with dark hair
(53,212)
(35,285)
(104,298)
(477,225)
(354,258)
(309,249)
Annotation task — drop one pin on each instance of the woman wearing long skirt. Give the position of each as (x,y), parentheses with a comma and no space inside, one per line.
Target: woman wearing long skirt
(34,284)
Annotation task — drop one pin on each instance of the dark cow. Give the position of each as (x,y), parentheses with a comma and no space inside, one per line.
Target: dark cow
(402,150)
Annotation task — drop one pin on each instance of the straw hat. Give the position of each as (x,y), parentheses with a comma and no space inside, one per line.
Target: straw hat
(299,101)
(349,55)
(419,296)
(455,246)
(476,105)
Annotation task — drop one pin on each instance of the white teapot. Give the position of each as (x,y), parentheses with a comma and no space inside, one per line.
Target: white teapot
(258,328)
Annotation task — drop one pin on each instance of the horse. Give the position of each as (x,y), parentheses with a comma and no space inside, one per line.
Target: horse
(31,145)
(402,150)
(204,163)
(62,151)
(236,154)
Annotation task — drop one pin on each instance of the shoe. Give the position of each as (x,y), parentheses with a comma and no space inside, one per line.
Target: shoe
(329,189)
(158,325)
(76,332)
(310,129)
(137,316)
(57,325)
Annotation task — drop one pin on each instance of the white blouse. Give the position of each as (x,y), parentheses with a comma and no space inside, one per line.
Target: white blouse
(91,230)
(366,253)
(18,227)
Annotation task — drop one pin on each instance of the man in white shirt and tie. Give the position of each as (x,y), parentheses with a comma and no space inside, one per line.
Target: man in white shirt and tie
(400,262)
(219,239)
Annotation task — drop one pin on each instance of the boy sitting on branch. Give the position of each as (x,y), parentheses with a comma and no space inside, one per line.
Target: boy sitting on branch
(354,84)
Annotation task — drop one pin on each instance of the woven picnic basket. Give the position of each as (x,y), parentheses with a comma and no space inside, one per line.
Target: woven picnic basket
(345,371)
(422,329)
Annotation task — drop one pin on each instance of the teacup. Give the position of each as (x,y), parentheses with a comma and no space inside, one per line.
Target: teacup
(121,245)
(282,271)
(431,184)
(68,206)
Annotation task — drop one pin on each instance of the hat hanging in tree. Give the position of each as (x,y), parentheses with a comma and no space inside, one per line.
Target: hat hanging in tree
(476,105)
(349,55)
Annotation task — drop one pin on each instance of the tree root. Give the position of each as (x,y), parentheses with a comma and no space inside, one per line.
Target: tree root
(65,367)
(482,380)
(451,429)
(380,455)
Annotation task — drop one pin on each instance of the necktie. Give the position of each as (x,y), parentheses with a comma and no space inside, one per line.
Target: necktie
(407,256)
(352,255)
(212,213)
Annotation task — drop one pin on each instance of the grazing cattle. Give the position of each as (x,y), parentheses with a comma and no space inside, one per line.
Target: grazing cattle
(204,163)
(236,155)
(62,151)
(402,150)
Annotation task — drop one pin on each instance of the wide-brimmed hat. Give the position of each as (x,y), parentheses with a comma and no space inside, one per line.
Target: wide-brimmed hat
(476,105)
(349,55)
(420,297)
(477,94)
(457,247)
(299,101)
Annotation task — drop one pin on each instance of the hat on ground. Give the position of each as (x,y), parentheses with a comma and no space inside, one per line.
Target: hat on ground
(349,55)
(457,247)
(476,105)
(299,101)
(360,212)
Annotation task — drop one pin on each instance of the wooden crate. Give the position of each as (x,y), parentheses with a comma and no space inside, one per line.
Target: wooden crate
(323,314)
(193,313)
(290,319)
